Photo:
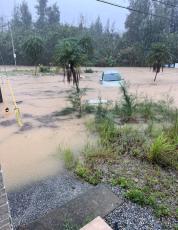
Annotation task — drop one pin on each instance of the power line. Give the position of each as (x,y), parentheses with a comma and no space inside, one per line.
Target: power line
(135,10)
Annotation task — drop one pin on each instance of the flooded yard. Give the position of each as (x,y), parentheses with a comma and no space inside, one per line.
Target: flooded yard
(30,154)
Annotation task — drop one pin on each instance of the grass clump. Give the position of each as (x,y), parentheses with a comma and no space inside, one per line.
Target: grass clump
(107,130)
(162,151)
(69,159)
(142,197)
(99,152)
(162,210)
(137,196)
(85,171)
(91,176)
(122,182)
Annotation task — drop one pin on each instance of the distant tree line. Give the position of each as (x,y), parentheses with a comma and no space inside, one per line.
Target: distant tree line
(108,47)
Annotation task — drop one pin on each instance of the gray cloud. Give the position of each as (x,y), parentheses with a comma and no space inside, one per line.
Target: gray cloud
(72,9)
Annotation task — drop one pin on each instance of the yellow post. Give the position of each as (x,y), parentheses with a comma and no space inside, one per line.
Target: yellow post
(16,109)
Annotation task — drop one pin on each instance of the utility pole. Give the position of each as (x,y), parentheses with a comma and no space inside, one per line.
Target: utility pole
(13,47)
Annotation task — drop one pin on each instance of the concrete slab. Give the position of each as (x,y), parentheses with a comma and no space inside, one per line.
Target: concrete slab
(98,201)
(97,224)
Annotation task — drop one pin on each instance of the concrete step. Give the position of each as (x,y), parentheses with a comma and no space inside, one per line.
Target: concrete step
(97,224)
(98,201)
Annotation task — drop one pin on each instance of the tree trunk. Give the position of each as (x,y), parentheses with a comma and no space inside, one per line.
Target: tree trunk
(155,76)
(1,98)
(35,70)
(75,78)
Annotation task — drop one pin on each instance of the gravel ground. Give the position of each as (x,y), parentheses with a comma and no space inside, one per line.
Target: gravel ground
(36,200)
(130,216)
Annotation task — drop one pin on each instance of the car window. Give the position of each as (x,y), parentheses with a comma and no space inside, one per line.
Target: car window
(112,77)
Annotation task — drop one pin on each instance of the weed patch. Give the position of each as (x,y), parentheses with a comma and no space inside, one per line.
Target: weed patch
(68,158)
(91,176)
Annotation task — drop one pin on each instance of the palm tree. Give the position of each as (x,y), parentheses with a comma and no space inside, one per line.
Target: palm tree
(158,56)
(71,53)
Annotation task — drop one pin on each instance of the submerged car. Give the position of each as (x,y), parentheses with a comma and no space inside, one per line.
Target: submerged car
(111,78)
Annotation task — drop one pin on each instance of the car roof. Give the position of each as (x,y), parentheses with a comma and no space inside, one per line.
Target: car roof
(110,72)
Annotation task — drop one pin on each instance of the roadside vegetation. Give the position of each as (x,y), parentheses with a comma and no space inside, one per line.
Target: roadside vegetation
(136,150)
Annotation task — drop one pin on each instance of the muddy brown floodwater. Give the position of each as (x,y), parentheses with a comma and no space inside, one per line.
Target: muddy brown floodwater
(29,154)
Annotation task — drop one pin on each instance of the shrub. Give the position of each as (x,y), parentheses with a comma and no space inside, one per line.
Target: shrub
(44,69)
(128,103)
(88,70)
(161,151)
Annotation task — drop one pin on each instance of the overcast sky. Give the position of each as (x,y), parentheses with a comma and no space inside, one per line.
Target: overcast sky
(72,9)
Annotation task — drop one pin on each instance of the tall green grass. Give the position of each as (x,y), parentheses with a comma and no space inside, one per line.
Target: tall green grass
(162,151)
(68,158)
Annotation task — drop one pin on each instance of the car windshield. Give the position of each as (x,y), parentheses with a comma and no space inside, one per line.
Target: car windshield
(111,77)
